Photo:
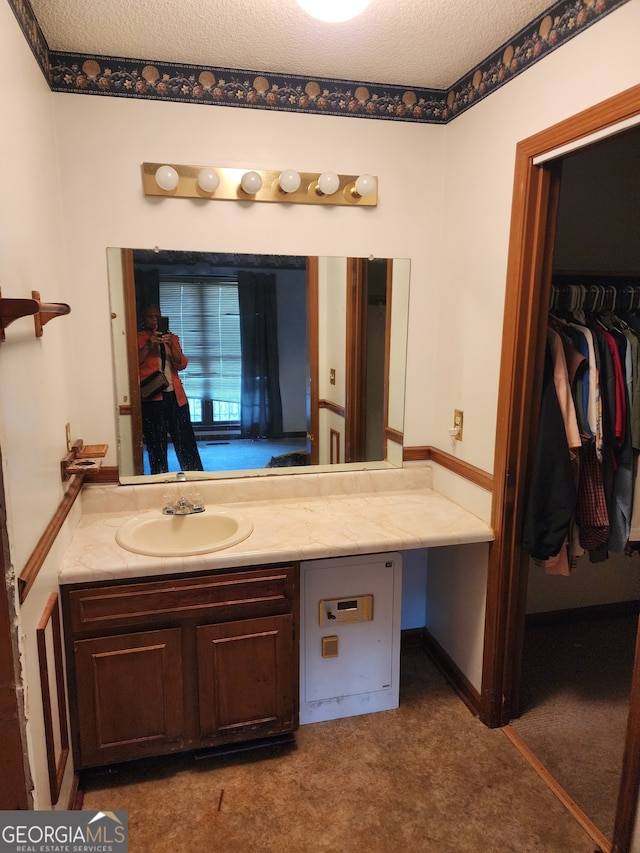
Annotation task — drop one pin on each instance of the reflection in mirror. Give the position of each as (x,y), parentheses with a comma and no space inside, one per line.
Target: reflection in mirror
(291,361)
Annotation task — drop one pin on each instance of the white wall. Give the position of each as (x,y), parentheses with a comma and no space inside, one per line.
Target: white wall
(471,265)
(414,584)
(610,582)
(469,271)
(32,257)
(599,214)
(103,141)
(456,595)
(454,227)
(36,396)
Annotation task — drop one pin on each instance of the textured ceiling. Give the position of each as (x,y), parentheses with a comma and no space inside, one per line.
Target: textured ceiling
(418,43)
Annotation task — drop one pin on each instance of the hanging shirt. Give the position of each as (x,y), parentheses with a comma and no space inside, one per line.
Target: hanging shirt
(583,338)
(563,389)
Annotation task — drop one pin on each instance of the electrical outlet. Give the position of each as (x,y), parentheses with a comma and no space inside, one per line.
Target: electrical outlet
(458,418)
(68,432)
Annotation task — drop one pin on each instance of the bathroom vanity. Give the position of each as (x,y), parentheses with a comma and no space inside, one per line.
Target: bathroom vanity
(172,653)
(160,666)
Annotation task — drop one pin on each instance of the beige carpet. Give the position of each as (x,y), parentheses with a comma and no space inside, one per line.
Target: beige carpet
(425,777)
(576,681)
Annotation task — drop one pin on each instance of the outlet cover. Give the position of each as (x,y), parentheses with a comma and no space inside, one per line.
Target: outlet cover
(458,420)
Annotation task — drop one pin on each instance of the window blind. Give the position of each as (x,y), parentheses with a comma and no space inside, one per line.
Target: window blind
(204,314)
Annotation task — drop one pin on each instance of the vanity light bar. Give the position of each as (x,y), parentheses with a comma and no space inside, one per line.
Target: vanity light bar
(206,182)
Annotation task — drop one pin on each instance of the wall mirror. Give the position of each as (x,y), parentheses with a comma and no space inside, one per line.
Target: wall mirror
(295,363)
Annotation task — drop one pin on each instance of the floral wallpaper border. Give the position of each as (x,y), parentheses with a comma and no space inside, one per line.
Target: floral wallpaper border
(136,78)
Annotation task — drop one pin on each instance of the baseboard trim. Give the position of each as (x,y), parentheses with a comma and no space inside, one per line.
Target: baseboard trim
(574,810)
(411,637)
(451,463)
(452,673)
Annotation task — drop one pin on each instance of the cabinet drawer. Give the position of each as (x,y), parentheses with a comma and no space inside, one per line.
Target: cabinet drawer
(222,597)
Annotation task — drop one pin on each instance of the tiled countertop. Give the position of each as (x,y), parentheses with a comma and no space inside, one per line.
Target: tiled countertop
(299,517)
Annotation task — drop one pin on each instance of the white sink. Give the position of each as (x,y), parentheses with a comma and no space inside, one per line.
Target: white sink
(160,535)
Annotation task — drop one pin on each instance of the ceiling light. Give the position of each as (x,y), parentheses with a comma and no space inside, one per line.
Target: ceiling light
(333,11)
(288,186)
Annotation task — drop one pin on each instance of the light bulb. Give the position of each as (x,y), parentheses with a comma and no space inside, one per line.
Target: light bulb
(365,185)
(333,11)
(289,181)
(328,183)
(251,182)
(166,178)
(208,180)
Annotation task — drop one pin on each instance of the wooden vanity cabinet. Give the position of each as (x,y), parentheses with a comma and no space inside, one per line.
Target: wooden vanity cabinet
(186,662)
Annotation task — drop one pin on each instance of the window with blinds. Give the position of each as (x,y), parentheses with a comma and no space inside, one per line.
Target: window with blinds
(204,314)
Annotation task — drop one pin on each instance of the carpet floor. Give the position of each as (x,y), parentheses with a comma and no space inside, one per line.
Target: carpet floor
(425,777)
(236,454)
(576,680)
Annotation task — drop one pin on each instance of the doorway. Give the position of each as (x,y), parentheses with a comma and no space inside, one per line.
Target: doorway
(535,203)
(582,616)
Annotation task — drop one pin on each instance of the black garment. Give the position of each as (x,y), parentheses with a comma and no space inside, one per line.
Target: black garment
(166,416)
(552,495)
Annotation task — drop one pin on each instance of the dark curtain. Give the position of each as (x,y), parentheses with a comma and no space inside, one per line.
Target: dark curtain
(147,284)
(261,404)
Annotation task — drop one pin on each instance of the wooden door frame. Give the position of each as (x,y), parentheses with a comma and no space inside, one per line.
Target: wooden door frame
(14,792)
(313,425)
(533,199)
(355,421)
(387,354)
(131,329)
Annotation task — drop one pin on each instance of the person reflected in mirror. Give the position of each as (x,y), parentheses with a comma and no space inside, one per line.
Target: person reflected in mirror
(166,413)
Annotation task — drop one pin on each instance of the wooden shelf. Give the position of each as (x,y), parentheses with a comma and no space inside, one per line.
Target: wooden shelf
(13,309)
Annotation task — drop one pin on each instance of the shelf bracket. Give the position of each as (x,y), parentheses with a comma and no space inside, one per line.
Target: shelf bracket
(47,311)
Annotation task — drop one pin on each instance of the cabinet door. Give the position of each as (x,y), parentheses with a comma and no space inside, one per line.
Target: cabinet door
(248,679)
(129,695)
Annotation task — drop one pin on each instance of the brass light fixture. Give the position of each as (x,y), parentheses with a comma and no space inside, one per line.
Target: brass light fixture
(286,186)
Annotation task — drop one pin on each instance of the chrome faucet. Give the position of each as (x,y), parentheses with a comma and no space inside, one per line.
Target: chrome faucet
(182,506)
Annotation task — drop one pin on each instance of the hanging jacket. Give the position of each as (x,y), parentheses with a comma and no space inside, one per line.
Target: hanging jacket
(551,501)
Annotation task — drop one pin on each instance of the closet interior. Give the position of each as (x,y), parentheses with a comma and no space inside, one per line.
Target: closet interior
(582,522)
